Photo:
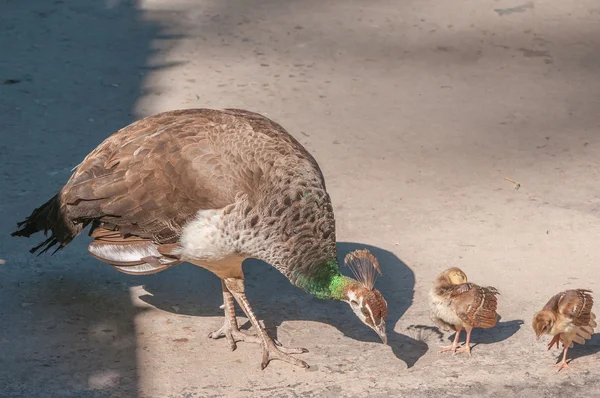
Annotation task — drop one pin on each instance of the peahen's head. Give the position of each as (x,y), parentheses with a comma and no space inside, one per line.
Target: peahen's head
(366,301)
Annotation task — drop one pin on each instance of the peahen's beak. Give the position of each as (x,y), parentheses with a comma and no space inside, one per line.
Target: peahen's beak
(380,329)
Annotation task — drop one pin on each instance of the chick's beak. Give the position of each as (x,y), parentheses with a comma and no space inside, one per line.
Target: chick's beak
(380,329)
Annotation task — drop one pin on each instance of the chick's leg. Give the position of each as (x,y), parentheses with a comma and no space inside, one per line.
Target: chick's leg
(454,345)
(467,346)
(563,364)
(270,350)
(230,328)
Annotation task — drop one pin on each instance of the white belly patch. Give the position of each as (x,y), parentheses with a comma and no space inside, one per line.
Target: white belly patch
(203,240)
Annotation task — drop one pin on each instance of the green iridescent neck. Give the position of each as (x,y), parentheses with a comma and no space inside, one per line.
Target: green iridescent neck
(325,282)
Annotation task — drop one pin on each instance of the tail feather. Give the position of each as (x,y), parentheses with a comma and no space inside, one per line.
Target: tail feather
(49,217)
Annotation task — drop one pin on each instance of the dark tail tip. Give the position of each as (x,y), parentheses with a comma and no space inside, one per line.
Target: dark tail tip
(46,217)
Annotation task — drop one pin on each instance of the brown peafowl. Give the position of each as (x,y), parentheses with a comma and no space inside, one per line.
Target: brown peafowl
(212,188)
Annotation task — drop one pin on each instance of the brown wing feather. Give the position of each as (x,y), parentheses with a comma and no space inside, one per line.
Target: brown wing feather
(475,305)
(153,176)
(150,178)
(552,304)
(577,305)
(457,290)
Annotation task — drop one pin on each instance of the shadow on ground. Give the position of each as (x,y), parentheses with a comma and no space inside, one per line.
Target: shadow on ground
(591,347)
(74,75)
(196,292)
(502,331)
(69,336)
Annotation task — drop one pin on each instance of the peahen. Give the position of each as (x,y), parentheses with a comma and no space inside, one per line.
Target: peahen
(212,188)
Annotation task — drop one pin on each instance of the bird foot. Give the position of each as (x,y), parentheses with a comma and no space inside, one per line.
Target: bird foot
(555,340)
(233,335)
(465,348)
(562,365)
(449,348)
(271,351)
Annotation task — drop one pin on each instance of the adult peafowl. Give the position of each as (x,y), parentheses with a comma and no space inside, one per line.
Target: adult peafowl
(211,187)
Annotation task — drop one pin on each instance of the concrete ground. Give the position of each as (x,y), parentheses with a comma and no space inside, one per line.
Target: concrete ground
(417,111)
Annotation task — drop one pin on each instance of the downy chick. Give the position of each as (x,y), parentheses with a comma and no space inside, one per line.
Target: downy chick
(568,317)
(457,304)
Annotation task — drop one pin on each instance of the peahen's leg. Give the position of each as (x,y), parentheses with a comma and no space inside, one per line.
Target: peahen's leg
(270,350)
(230,328)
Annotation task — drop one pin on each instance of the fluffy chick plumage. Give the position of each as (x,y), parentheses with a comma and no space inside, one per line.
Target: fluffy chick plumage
(568,317)
(457,304)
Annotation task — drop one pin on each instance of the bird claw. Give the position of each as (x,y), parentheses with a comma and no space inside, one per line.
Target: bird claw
(449,348)
(272,352)
(233,335)
(562,365)
(465,348)
(555,339)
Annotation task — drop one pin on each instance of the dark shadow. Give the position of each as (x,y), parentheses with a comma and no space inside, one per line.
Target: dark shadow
(591,347)
(197,292)
(71,75)
(502,331)
(70,336)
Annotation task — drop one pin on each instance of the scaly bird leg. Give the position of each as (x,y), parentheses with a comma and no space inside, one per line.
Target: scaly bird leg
(563,364)
(454,345)
(230,328)
(467,347)
(270,350)
(555,340)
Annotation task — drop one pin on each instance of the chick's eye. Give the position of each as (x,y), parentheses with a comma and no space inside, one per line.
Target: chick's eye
(365,312)
(353,302)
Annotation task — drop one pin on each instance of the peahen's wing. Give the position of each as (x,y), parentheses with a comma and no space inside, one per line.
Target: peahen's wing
(150,178)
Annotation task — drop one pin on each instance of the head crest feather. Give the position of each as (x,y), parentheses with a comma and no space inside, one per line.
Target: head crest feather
(364,266)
